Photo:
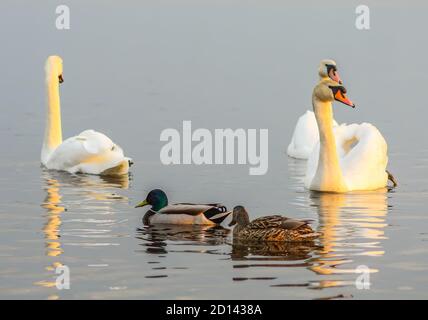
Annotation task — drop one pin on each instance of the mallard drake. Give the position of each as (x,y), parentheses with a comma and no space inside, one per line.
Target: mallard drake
(270,228)
(180,213)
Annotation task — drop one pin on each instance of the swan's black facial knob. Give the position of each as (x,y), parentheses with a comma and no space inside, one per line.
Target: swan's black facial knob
(332,73)
(60,78)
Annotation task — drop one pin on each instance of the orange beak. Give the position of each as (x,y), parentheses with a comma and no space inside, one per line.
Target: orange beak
(341,97)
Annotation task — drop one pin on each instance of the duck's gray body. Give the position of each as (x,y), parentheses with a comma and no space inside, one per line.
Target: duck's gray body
(187,213)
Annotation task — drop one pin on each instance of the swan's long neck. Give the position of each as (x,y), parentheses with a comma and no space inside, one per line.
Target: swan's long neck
(53,131)
(328,176)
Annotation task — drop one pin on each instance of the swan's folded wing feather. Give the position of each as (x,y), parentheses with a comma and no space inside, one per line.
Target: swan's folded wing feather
(95,142)
(69,153)
(362,152)
(90,152)
(364,165)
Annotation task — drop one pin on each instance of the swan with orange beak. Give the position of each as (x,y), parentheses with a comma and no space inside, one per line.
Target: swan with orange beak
(347,157)
(339,93)
(305,134)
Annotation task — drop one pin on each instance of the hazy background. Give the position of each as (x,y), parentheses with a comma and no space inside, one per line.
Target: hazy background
(134,68)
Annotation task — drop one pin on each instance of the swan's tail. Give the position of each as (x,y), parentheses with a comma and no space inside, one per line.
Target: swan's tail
(392,179)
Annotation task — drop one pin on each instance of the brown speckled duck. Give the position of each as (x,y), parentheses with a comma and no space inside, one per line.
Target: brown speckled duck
(270,228)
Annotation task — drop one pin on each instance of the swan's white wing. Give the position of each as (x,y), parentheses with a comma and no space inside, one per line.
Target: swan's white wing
(88,152)
(305,136)
(95,142)
(312,164)
(364,157)
(362,154)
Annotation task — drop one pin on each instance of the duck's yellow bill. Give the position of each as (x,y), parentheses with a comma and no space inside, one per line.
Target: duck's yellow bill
(142,204)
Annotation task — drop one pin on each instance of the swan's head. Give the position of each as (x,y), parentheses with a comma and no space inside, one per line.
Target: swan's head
(53,68)
(156,198)
(328,69)
(240,217)
(328,90)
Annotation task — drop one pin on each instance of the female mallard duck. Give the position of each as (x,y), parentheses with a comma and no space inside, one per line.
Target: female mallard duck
(180,213)
(270,228)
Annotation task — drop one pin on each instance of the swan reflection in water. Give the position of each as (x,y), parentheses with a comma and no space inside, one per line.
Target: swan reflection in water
(352,225)
(64,189)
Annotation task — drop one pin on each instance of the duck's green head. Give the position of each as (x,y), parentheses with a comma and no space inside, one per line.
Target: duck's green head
(156,198)
(240,217)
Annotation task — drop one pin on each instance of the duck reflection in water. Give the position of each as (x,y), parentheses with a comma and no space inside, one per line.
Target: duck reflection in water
(263,250)
(157,237)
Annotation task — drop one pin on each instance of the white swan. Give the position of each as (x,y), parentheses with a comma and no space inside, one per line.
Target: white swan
(89,152)
(305,134)
(360,161)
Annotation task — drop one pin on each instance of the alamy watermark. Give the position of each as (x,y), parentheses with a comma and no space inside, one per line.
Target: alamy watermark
(62,21)
(224,146)
(362,22)
(63,280)
(362,282)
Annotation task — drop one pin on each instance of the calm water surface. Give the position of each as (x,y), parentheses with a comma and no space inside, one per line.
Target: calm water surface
(132,70)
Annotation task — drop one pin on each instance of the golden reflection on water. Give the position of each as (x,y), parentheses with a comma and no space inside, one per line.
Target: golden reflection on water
(53,206)
(351,224)
(90,187)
